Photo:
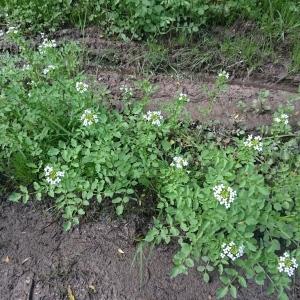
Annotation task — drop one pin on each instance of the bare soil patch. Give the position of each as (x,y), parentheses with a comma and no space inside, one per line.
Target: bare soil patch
(40,261)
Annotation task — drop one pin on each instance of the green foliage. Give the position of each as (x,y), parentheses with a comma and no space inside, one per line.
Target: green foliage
(280,18)
(295,65)
(59,134)
(246,52)
(136,18)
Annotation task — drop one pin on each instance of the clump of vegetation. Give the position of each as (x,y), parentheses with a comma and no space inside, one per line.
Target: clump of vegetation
(233,208)
(136,18)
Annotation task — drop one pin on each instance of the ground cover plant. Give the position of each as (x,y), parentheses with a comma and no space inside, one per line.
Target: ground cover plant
(136,18)
(261,31)
(233,208)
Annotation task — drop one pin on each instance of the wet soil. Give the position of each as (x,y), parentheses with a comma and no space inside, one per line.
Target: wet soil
(114,63)
(38,260)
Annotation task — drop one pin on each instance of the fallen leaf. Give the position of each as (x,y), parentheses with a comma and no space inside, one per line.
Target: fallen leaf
(92,287)
(121,251)
(70,294)
(6,260)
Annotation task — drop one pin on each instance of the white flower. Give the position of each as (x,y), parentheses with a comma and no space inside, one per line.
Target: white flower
(179,162)
(126,90)
(183,97)
(1,33)
(232,251)
(155,117)
(223,74)
(254,143)
(287,264)
(26,67)
(283,118)
(12,30)
(53,177)
(88,118)
(46,44)
(81,87)
(32,83)
(48,69)
(224,194)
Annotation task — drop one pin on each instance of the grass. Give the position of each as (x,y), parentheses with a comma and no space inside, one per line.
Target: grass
(245,51)
(281,19)
(295,63)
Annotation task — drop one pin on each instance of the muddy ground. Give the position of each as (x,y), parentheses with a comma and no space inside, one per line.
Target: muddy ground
(113,63)
(41,261)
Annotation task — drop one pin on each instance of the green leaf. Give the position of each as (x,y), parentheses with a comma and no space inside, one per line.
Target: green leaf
(117,200)
(81,211)
(67,225)
(206,277)
(174,231)
(251,221)
(23,189)
(263,190)
(189,262)
(178,270)
(152,233)
(119,209)
(53,152)
(225,279)
(242,281)
(200,268)
(260,278)
(283,296)
(222,292)
(210,268)
(15,197)
(233,291)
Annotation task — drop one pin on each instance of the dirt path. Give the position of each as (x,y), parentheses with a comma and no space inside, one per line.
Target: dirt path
(237,107)
(113,63)
(40,261)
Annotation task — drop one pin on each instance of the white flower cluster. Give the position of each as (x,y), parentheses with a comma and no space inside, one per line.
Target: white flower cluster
(53,177)
(183,97)
(26,67)
(81,87)
(179,162)
(223,74)
(46,44)
(48,69)
(155,117)
(224,194)
(254,142)
(12,30)
(1,33)
(126,90)
(287,264)
(232,251)
(88,118)
(283,118)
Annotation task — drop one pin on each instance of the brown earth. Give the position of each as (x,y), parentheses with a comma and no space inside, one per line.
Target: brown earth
(40,261)
(114,63)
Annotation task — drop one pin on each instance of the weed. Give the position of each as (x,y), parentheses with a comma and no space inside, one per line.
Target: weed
(295,65)
(232,208)
(261,104)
